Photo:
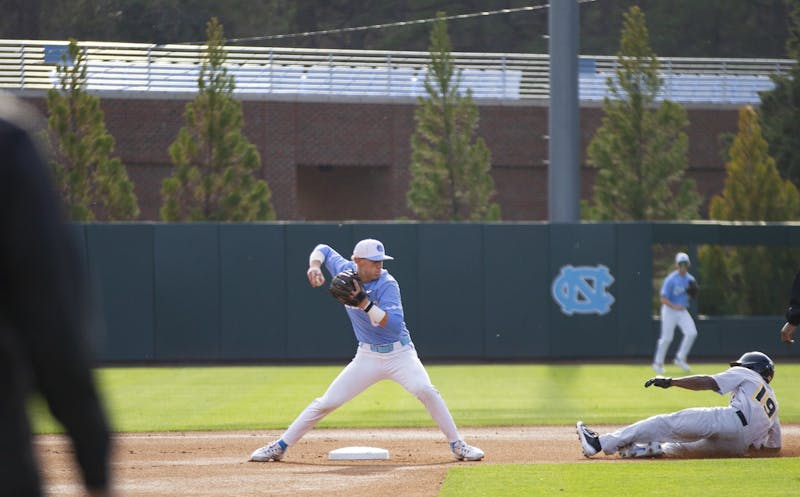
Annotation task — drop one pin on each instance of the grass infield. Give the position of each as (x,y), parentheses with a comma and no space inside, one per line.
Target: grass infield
(651,478)
(241,398)
(269,397)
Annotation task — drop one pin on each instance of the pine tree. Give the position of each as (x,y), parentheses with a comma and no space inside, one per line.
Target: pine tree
(780,107)
(216,167)
(749,280)
(450,168)
(640,151)
(92,184)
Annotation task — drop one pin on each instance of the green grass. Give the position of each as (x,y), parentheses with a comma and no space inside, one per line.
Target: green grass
(232,398)
(646,478)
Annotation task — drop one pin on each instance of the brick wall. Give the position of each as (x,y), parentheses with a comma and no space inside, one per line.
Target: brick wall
(349,160)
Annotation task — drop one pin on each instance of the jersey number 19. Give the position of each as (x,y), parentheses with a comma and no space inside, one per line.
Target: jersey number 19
(766,401)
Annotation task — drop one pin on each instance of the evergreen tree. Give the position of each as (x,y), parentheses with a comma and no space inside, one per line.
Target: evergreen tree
(640,150)
(92,184)
(216,167)
(450,168)
(749,280)
(780,107)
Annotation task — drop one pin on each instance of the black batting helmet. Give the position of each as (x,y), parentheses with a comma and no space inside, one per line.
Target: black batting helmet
(758,362)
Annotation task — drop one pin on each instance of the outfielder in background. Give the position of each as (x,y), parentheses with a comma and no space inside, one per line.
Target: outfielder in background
(749,423)
(678,286)
(385,350)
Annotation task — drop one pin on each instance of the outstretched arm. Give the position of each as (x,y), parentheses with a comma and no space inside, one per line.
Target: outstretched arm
(694,382)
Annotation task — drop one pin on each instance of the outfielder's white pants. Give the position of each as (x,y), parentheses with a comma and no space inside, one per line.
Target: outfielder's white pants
(402,365)
(698,430)
(670,318)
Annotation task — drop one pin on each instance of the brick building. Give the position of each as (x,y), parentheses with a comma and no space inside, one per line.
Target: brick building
(339,158)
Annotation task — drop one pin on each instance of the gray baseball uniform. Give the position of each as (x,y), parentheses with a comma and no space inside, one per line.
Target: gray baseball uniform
(749,421)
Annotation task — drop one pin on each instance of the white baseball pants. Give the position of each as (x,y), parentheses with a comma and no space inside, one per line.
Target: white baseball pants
(402,365)
(670,318)
(698,430)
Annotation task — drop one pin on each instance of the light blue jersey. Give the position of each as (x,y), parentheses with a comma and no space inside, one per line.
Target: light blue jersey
(674,288)
(384,291)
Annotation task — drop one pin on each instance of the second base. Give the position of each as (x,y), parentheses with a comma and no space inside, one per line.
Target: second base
(358,453)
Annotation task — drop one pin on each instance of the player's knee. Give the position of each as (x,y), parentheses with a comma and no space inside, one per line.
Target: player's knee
(326,404)
(425,392)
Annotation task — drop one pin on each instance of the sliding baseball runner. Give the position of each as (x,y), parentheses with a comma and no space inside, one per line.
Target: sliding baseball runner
(749,422)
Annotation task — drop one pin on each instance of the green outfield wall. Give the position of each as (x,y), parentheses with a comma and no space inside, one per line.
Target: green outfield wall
(495,291)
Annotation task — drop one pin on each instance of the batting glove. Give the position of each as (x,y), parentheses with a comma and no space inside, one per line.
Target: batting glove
(659,382)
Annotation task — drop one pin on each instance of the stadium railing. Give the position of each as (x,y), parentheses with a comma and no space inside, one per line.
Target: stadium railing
(30,65)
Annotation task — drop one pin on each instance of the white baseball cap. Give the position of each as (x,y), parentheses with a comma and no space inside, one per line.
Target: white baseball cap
(371,249)
(681,257)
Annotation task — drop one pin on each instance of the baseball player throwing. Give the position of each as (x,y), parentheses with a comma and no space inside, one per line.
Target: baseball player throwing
(750,422)
(675,292)
(385,349)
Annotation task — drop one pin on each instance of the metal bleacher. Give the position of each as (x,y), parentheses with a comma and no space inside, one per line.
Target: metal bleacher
(735,81)
(30,66)
(295,79)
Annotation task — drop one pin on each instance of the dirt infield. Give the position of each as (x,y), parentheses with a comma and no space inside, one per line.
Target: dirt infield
(215,463)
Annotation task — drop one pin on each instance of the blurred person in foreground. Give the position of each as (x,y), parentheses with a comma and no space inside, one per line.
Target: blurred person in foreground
(792,312)
(42,316)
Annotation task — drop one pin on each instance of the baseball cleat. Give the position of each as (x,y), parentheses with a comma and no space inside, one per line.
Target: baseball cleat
(652,449)
(465,452)
(658,368)
(271,452)
(590,442)
(681,364)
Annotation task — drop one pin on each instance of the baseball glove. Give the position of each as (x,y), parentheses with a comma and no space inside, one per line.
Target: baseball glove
(342,288)
(692,289)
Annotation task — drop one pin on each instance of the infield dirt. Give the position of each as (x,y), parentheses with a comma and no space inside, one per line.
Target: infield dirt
(215,463)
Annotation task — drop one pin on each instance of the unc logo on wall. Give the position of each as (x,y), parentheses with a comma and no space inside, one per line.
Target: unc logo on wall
(582,290)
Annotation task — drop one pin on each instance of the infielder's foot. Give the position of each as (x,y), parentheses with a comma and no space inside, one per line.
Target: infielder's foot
(465,452)
(652,449)
(658,368)
(590,442)
(271,452)
(681,364)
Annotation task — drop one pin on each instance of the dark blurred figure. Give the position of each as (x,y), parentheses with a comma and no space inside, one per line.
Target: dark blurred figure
(792,312)
(42,317)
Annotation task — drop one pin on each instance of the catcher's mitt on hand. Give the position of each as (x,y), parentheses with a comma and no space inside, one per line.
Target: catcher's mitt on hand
(659,381)
(692,289)
(342,288)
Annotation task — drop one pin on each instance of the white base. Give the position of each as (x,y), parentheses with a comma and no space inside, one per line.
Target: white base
(358,453)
